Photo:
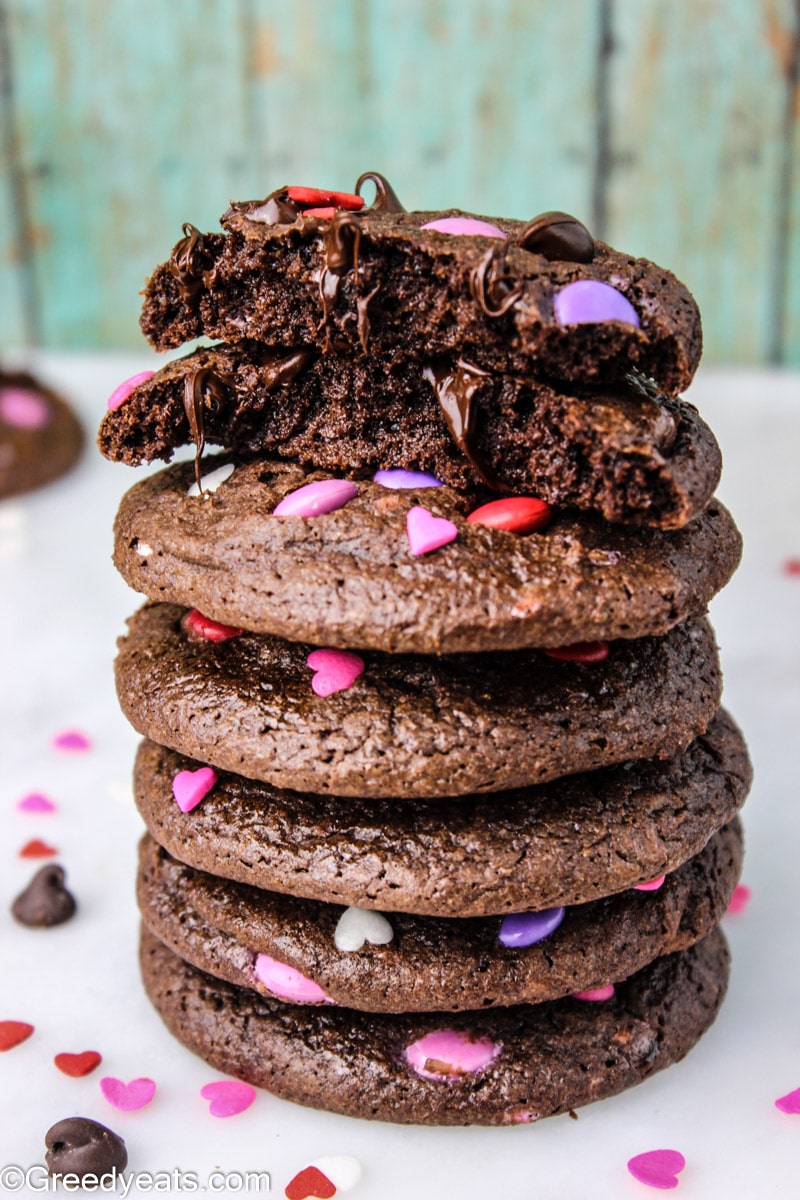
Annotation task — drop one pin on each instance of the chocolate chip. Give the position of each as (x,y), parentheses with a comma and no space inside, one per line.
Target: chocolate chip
(45,900)
(82,1147)
(558,237)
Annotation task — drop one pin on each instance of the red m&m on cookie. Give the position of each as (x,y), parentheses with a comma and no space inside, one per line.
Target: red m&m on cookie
(516,514)
(318,198)
(580,652)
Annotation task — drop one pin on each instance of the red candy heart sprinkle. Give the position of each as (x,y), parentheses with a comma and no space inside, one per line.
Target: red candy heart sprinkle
(77,1065)
(37,849)
(13,1032)
(310,1182)
(515,514)
(580,652)
(319,196)
(200,628)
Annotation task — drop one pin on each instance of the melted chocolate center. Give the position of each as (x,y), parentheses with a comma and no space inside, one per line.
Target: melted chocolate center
(455,388)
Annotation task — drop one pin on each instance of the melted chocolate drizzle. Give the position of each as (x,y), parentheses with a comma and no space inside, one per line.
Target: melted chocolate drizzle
(492,286)
(386,200)
(274,209)
(455,388)
(202,386)
(341,242)
(188,261)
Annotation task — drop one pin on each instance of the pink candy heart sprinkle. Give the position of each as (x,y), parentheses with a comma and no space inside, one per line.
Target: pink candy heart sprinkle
(336,670)
(72,740)
(228,1097)
(127,1097)
(790,1103)
(740,899)
(35,802)
(191,787)
(427,532)
(657,1168)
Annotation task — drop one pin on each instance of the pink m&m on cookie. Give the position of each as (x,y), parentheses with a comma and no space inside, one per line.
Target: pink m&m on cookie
(23,409)
(126,389)
(448,1054)
(316,499)
(287,983)
(465,227)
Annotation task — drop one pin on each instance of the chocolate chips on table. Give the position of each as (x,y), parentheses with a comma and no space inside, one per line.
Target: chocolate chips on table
(460,540)
(45,901)
(79,1146)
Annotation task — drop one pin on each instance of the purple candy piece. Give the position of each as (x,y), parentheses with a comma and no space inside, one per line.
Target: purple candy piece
(465,227)
(398,478)
(590,302)
(314,499)
(523,929)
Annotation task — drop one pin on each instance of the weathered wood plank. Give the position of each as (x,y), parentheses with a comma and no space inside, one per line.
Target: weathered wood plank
(697,100)
(786,348)
(19,309)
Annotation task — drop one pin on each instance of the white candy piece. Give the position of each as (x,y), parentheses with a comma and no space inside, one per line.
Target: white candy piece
(359,925)
(343,1170)
(213,479)
(144,549)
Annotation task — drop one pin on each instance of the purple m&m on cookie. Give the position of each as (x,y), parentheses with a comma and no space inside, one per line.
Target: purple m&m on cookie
(315,499)
(590,302)
(464,227)
(524,929)
(398,478)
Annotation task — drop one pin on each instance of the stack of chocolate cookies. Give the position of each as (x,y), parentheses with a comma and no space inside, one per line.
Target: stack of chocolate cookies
(441,803)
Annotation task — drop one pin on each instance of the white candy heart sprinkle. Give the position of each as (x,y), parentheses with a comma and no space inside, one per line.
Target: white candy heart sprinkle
(359,925)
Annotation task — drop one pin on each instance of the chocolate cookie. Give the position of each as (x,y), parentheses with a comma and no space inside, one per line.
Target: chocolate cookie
(379,281)
(506,1066)
(332,722)
(40,436)
(628,453)
(348,578)
(306,952)
(560,843)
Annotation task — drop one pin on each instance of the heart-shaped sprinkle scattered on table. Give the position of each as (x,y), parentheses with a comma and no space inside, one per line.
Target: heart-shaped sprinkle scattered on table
(14,1032)
(127,1097)
(657,1168)
(228,1097)
(78,1065)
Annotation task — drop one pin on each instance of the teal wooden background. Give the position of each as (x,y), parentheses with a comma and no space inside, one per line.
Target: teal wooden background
(669,126)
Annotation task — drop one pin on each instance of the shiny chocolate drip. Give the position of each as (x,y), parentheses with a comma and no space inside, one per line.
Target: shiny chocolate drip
(386,200)
(201,386)
(275,209)
(362,317)
(341,242)
(455,388)
(558,237)
(492,286)
(285,368)
(188,261)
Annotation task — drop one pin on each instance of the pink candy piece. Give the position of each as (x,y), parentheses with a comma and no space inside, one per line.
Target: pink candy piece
(72,740)
(315,499)
(657,1168)
(336,670)
(190,787)
(447,1054)
(127,1097)
(427,532)
(740,899)
(790,1103)
(595,995)
(228,1097)
(24,409)
(652,885)
(125,389)
(35,802)
(465,227)
(287,983)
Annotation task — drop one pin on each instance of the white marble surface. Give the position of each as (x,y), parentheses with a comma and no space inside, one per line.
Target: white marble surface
(61,608)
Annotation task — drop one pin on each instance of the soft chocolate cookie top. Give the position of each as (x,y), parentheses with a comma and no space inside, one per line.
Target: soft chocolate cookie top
(561,843)
(405,725)
(505,1066)
(625,451)
(350,578)
(377,281)
(420,964)
(40,435)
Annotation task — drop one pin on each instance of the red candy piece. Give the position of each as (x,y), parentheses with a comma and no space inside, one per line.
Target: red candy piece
(37,849)
(324,214)
(77,1065)
(310,1182)
(516,514)
(580,652)
(198,626)
(791,566)
(13,1032)
(318,196)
